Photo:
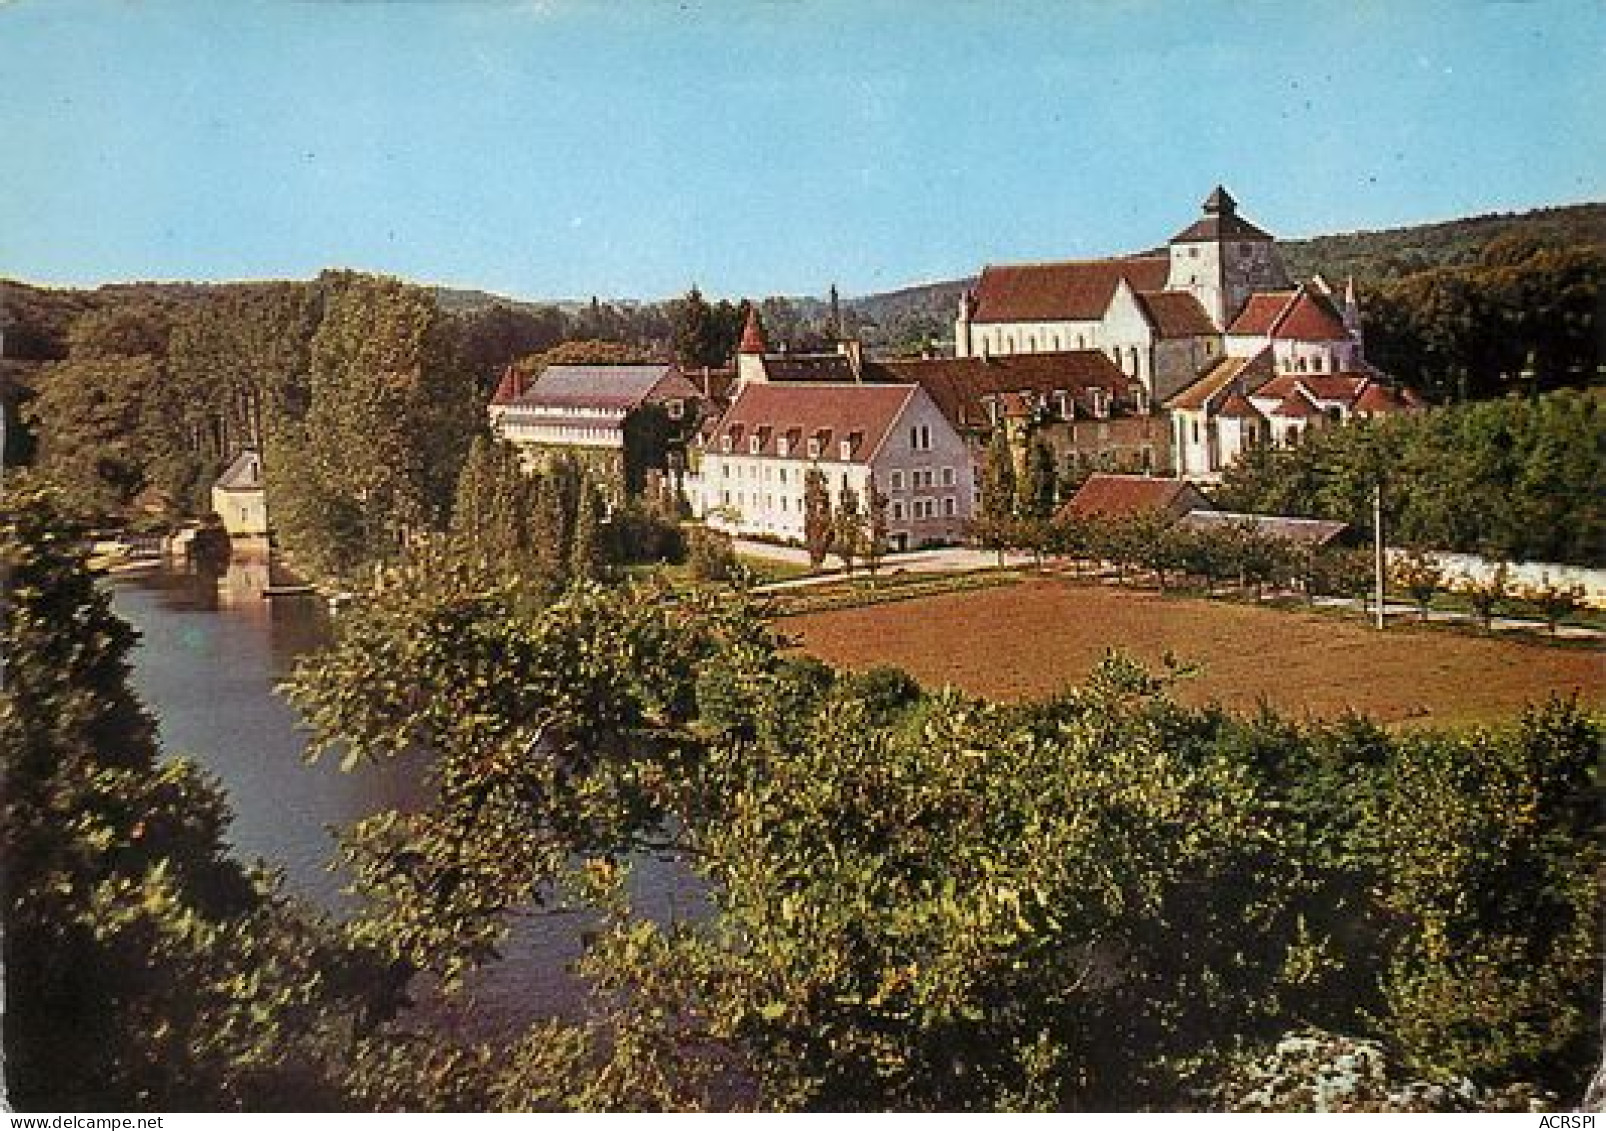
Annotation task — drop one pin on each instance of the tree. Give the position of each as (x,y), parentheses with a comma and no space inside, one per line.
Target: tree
(848,527)
(91,418)
(145,968)
(589,557)
(390,419)
(1419,575)
(1037,489)
(818,527)
(1486,594)
(699,338)
(1554,601)
(998,478)
(875,540)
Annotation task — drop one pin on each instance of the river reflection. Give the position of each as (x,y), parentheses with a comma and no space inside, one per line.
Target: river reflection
(211,651)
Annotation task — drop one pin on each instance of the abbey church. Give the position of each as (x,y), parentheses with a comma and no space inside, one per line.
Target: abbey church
(1205,332)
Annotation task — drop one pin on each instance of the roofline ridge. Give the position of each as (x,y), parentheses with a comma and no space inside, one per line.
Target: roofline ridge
(1077,262)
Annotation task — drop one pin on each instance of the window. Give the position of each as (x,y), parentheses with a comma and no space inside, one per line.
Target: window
(845,449)
(755,445)
(950,507)
(728,443)
(783,502)
(1031,343)
(925,438)
(676,409)
(947,477)
(725,497)
(895,478)
(897,510)
(725,468)
(1195,431)
(781,474)
(1316,364)
(814,449)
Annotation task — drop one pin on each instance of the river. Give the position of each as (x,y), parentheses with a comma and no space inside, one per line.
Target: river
(211,651)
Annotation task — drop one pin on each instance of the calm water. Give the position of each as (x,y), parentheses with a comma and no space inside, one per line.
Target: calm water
(210,654)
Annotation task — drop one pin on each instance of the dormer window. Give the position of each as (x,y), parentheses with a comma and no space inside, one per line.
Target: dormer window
(783,446)
(755,444)
(728,443)
(814,448)
(845,450)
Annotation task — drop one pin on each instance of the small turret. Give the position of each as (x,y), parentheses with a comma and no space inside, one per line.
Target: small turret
(753,334)
(1352,317)
(967,307)
(750,353)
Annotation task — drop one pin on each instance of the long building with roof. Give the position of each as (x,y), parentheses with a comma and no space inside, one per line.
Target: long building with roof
(1202,334)
(625,421)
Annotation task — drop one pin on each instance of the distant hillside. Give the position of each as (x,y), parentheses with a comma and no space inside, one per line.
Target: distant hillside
(901,318)
(465,300)
(1382,256)
(904,319)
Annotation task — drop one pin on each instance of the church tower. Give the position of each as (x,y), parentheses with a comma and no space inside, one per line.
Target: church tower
(1222,259)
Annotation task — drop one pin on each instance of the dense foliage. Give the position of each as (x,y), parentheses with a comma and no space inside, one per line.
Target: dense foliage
(1519,479)
(144,967)
(930,902)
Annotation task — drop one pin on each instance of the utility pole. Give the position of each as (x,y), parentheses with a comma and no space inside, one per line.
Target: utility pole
(1378,564)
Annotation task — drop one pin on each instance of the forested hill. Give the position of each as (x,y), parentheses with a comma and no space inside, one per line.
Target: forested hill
(1383,256)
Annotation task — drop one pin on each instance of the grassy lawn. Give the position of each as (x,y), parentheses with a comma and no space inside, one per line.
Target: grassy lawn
(769,569)
(1041,635)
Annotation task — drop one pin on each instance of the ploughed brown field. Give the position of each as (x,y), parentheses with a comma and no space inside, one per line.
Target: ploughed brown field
(1027,640)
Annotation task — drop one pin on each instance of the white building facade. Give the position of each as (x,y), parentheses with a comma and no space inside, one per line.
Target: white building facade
(751,473)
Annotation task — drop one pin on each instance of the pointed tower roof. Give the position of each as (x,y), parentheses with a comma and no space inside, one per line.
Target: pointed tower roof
(1220,222)
(753,334)
(510,388)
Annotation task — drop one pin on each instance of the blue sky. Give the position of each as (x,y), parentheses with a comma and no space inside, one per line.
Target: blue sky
(569,148)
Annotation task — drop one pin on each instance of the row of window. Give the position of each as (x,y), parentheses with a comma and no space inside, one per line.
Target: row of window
(917,479)
(920,478)
(897,510)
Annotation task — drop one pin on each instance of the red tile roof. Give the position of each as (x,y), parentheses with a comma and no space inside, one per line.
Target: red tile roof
(1341,387)
(1176,314)
(1260,313)
(1311,317)
(1296,406)
(1061,292)
(1237,405)
(960,385)
(829,413)
(1301,315)
(1380,399)
(1112,496)
(510,388)
(753,334)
